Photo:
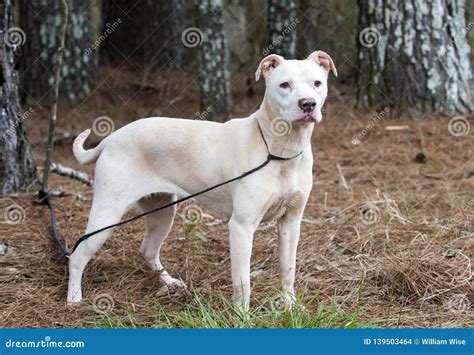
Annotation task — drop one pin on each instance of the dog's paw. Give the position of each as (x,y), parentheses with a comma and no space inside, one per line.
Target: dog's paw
(174,287)
(171,282)
(286,301)
(177,283)
(73,303)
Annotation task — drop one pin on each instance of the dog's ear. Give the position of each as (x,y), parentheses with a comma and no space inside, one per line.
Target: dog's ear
(324,60)
(267,64)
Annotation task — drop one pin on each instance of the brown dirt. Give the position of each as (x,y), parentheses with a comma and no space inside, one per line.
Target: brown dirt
(415,258)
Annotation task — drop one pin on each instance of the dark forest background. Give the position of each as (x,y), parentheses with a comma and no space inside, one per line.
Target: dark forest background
(387,234)
(409,58)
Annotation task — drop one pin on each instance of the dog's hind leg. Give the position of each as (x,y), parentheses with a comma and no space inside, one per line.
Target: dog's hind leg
(158,226)
(103,213)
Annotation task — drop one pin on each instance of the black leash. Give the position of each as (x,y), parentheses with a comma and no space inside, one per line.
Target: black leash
(45,199)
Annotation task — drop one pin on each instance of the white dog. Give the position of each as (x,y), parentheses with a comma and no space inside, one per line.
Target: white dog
(154,161)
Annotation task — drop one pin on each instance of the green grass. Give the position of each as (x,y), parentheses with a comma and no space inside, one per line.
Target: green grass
(217,312)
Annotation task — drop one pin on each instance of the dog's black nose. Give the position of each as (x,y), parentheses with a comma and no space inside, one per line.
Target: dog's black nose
(307,104)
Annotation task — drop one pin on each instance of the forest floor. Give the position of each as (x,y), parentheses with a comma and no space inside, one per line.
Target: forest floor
(387,238)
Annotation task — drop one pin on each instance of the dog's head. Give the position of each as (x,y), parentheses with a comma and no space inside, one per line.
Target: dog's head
(296,89)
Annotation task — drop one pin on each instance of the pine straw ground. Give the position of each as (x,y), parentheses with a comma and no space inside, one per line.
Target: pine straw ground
(385,238)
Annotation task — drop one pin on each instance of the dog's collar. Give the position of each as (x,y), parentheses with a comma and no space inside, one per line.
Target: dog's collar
(270,155)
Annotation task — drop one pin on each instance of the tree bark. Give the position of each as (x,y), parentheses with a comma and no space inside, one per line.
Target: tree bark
(254,42)
(307,39)
(282,24)
(150,32)
(54,102)
(214,76)
(17,170)
(413,57)
(40,19)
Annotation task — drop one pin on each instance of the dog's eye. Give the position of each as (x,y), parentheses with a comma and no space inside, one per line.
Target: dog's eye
(317,83)
(285,85)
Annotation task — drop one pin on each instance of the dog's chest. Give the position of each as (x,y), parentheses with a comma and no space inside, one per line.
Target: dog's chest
(275,209)
(281,205)
(284,197)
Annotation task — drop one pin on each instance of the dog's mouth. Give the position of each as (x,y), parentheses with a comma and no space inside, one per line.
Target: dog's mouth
(314,116)
(306,119)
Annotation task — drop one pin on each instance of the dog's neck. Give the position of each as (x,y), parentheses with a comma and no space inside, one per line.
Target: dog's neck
(286,140)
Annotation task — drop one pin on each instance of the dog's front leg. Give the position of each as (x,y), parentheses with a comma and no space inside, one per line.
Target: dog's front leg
(288,237)
(241,238)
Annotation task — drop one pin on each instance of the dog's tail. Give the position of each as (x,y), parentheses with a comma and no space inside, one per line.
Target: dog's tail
(82,155)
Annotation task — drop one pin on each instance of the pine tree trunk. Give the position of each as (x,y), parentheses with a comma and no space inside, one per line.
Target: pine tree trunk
(282,24)
(254,42)
(16,165)
(306,40)
(40,20)
(149,33)
(413,56)
(214,76)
